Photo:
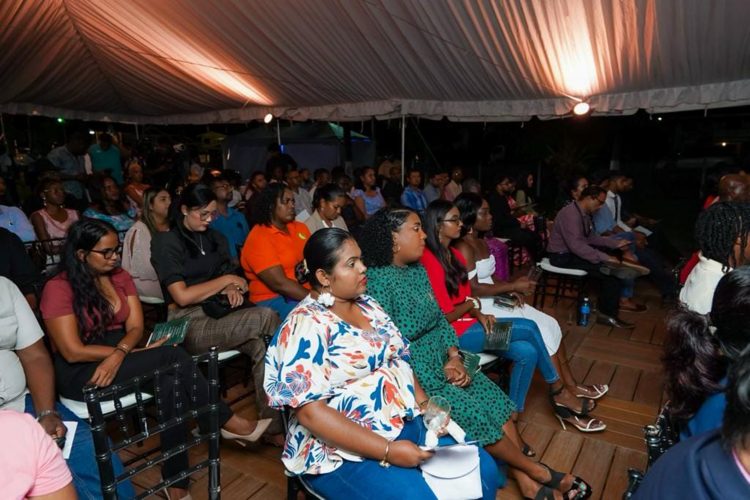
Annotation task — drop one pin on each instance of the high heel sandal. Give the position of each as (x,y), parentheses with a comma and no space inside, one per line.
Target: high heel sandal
(598,389)
(252,438)
(583,488)
(584,411)
(564,414)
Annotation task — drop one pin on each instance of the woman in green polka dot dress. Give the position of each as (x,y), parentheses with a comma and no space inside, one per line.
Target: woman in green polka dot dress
(392,242)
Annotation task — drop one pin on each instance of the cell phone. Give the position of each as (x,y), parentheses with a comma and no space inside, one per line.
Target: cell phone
(506,301)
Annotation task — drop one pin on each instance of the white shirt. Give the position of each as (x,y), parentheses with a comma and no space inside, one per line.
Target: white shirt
(18,330)
(698,292)
(614,203)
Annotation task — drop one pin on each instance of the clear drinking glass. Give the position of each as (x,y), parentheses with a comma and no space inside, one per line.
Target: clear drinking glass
(436,414)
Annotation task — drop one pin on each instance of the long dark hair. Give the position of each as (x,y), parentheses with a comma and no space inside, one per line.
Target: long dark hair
(322,252)
(699,347)
(92,310)
(455,272)
(468,205)
(97,195)
(376,236)
(146,210)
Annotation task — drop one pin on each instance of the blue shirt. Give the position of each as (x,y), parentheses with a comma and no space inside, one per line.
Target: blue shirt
(69,164)
(108,159)
(234,228)
(603,220)
(431,193)
(709,416)
(15,221)
(414,198)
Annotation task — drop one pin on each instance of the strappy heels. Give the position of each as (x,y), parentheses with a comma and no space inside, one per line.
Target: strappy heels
(548,488)
(583,424)
(599,390)
(579,413)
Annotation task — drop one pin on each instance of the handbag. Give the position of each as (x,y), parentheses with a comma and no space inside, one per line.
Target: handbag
(498,339)
(453,473)
(217,306)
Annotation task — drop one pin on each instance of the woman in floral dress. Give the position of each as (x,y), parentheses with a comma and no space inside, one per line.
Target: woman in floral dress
(342,366)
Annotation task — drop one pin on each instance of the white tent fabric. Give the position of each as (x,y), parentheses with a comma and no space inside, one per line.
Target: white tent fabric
(193,61)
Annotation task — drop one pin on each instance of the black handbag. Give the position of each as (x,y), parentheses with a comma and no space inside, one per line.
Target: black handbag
(217,306)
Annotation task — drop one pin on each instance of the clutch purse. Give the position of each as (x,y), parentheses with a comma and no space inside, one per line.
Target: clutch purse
(175,330)
(471,362)
(498,339)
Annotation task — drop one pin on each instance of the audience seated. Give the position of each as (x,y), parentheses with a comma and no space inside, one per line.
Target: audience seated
(28,385)
(698,350)
(350,212)
(436,185)
(193,265)
(325,431)
(447,271)
(328,203)
(522,195)
(136,247)
(721,233)
(94,319)
(714,464)
(367,196)
(574,244)
(453,188)
(109,205)
(134,185)
(105,158)
(33,466)
(506,224)
(228,221)
(14,220)
(322,177)
(392,244)
(413,197)
(17,266)
(302,199)
(273,251)
(392,187)
(69,160)
(53,220)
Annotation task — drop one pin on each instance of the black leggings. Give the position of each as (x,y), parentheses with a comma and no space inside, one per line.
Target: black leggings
(72,377)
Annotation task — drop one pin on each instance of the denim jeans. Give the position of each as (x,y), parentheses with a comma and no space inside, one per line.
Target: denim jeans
(527,351)
(282,305)
(82,460)
(367,480)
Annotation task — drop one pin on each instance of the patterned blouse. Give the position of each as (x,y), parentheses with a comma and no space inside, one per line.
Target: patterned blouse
(365,375)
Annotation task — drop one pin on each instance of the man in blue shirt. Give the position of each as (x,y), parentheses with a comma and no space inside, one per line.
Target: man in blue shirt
(228,221)
(434,189)
(15,221)
(413,197)
(70,162)
(105,156)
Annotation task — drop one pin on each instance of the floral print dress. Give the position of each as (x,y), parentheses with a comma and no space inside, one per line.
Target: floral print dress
(364,375)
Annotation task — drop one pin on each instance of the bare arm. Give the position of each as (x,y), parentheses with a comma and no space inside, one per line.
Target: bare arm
(40,379)
(275,279)
(132,192)
(185,295)
(359,207)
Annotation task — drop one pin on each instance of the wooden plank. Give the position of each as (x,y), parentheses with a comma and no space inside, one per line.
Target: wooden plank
(660,332)
(624,383)
(600,330)
(650,389)
(537,436)
(600,373)
(621,352)
(562,451)
(617,480)
(643,331)
(593,465)
(580,367)
(573,338)
(268,492)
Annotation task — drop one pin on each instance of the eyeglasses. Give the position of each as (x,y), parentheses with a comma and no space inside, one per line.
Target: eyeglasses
(108,253)
(205,215)
(454,220)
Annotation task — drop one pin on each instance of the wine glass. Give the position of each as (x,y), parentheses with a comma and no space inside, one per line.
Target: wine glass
(436,414)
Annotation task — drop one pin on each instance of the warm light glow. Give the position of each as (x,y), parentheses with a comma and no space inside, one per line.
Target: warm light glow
(91,132)
(581,108)
(268,118)
(659,118)
(723,144)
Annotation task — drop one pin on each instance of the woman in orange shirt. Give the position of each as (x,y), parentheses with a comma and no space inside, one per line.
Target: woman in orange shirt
(273,252)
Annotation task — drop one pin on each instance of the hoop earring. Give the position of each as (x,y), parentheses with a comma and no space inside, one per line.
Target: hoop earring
(325,298)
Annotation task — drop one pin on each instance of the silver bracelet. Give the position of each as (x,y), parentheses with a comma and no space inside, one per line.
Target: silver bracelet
(46,413)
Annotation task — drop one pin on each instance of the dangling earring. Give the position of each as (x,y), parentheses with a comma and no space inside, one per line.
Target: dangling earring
(325,298)
(44,201)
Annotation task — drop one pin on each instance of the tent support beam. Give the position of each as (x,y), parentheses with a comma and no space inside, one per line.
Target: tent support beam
(403,148)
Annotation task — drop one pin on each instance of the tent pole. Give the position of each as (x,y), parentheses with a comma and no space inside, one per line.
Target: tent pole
(278,132)
(403,148)
(137,135)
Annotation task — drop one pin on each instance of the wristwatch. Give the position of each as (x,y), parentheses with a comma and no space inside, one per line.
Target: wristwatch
(46,413)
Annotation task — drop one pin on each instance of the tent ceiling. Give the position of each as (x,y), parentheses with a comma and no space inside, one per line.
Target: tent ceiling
(182,61)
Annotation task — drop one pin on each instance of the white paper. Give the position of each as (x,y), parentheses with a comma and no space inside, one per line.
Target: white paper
(69,436)
(643,230)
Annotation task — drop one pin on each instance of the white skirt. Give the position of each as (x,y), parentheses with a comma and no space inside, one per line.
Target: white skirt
(548,326)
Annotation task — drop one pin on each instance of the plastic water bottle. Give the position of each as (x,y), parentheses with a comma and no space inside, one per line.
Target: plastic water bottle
(584,312)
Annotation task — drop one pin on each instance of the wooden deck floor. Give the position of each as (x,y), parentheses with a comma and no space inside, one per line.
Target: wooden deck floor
(627,360)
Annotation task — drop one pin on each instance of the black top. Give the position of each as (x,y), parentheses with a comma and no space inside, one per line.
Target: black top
(15,263)
(502,218)
(176,256)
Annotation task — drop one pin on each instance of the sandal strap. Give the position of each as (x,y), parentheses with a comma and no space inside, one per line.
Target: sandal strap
(590,423)
(555,476)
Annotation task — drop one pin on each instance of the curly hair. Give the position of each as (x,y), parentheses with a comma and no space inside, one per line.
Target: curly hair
(96,191)
(695,358)
(718,228)
(92,310)
(267,199)
(455,272)
(376,235)
(468,205)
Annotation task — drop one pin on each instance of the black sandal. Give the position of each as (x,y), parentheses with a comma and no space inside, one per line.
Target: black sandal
(583,488)
(527,450)
(583,412)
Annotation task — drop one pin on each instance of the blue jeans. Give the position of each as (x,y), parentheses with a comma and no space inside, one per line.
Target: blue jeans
(282,305)
(368,480)
(82,460)
(527,351)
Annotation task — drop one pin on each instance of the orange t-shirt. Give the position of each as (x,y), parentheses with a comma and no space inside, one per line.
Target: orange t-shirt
(266,247)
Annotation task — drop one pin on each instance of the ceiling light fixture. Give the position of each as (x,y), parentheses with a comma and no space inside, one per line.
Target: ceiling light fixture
(581,108)
(268,118)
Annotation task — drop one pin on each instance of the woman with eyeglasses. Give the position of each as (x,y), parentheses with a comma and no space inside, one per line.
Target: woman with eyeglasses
(196,274)
(94,319)
(272,253)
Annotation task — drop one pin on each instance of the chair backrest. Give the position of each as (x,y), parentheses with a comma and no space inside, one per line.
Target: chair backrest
(104,448)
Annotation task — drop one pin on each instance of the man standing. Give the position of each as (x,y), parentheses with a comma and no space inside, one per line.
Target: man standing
(105,157)
(574,244)
(228,221)
(70,162)
(302,200)
(413,197)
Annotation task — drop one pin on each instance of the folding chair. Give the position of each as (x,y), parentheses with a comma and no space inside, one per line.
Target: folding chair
(104,448)
(561,280)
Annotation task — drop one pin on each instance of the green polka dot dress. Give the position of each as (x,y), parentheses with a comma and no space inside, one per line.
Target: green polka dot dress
(405,293)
